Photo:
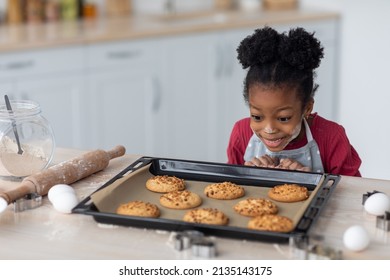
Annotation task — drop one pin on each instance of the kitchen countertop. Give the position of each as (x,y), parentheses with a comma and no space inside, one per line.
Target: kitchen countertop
(28,37)
(43,233)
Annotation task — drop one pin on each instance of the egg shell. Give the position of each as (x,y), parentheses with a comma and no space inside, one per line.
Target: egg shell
(377,204)
(356,238)
(57,190)
(65,203)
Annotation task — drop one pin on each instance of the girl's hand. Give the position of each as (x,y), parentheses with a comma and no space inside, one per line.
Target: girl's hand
(263,161)
(291,164)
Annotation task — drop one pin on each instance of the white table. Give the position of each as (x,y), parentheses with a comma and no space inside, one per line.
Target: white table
(43,233)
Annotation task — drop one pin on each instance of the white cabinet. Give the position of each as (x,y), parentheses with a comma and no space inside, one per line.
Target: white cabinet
(124,97)
(166,97)
(190,105)
(229,91)
(62,101)
(53,78)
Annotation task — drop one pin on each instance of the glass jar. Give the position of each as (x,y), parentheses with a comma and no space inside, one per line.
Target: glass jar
(26,140)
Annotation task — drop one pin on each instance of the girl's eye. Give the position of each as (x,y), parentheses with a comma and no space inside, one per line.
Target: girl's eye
(256,118)
(284,119)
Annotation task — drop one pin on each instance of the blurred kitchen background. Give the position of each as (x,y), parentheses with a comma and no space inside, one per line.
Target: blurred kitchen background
(357,68)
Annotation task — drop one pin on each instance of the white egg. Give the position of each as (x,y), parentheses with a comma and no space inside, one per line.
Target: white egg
(356,238)
(65,203)
(377,204)
(57,190)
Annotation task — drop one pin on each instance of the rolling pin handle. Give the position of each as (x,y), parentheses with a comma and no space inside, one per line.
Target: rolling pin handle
(117,151)
(22,190)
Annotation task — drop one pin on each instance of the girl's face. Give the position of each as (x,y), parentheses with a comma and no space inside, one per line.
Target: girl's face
(276,115)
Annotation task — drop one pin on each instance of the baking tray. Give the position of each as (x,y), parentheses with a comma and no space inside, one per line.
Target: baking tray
(129,184)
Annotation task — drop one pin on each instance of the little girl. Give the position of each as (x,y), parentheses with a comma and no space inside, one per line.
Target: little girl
(282,132)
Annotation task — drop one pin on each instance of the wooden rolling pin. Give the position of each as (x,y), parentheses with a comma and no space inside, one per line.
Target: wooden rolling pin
(66,172)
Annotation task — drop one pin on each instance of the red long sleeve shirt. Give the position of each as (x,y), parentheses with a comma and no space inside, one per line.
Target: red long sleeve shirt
(337,154)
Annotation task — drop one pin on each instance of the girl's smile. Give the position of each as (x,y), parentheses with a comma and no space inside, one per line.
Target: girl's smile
(276,115)
(271,144)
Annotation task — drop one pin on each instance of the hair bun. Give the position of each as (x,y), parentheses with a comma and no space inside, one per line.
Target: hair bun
(260,47)
(301,49)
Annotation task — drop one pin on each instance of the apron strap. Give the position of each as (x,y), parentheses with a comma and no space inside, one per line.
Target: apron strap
(309,136)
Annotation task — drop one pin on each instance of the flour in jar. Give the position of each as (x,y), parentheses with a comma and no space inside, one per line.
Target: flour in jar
(20,165)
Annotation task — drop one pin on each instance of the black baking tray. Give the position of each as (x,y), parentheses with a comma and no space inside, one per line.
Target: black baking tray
(322,183)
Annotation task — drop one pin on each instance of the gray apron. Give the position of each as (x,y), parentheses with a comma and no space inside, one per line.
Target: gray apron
(308,155)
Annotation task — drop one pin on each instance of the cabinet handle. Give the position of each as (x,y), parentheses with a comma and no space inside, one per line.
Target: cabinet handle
(219,61)
(156,94)
(16,65)
(229,61)
(123,54)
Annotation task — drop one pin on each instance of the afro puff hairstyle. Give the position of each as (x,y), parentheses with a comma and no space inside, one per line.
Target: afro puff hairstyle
(281,59)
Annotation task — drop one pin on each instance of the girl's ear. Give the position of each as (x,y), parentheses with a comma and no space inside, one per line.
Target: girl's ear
(308,108)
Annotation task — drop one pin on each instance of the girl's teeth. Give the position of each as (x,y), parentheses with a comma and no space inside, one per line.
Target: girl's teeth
(273,143)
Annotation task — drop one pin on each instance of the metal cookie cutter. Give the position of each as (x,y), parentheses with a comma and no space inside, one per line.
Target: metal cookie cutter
(200,246)
(204,249)
(383,222)
(29,201)
(185,239)
(313,248)
(367,195)
(323,252)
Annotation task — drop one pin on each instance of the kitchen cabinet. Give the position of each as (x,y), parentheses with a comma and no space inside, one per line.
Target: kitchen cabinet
(189,70)
(157,98)
(163,97)
(204,81)
(124,97)
(166,97)
(52,78)
(229,88)
(62,101)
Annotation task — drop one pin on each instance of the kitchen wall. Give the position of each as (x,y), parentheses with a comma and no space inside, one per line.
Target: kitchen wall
(364,100)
